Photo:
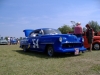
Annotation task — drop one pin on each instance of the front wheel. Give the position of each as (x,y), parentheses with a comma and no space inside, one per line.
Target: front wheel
(25,49)
(50,51)
(96,46)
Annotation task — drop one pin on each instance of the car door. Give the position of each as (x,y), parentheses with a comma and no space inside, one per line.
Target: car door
(35,40)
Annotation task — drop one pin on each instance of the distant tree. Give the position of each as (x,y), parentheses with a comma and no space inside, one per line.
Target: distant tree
(74,24)
(94,25)
(73,27)
(21,38)
(18,39)
(1,37)
(84,29)
(65,29)
(6,38)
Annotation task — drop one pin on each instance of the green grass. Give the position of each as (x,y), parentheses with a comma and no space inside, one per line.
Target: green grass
(13,61)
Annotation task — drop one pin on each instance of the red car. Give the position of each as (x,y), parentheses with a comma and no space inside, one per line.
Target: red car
(96,42)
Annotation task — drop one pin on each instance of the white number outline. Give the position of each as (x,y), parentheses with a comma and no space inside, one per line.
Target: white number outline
(35,43)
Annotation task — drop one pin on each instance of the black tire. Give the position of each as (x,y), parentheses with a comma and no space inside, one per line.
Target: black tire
(96,46)
(50,51)
(25,49)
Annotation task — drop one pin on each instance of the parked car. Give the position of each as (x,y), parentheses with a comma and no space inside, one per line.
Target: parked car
(24,39)
(3,42)
(96,42)
(52,41)
(13,41)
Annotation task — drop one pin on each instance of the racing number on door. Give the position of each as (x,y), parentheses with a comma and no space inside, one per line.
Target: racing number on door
(35,43)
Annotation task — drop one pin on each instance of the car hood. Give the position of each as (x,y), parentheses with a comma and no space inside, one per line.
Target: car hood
(96,38)
(66,37)
(27,32)
(3,40)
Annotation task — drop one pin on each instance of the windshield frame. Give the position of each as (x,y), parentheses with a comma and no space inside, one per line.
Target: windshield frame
(51,31)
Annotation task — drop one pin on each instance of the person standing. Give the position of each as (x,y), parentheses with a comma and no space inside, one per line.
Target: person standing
(78,30)
(89,35)
(9,40)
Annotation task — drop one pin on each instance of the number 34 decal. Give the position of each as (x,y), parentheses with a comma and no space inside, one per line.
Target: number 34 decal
(35,43)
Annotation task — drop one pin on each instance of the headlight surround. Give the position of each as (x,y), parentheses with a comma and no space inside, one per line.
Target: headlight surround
(82,39)
(60,39)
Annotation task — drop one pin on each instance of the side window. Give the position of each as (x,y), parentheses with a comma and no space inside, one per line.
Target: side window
(32,34)
(38,32)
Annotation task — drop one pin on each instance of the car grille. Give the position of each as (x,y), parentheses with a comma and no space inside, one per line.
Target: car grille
(71,45)
(4,42)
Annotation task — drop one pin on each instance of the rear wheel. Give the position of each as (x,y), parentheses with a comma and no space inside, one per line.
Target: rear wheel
(96,46)
(50,51)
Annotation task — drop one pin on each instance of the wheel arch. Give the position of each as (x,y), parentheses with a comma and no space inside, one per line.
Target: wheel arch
(47,47)
(94,44)
(96,41)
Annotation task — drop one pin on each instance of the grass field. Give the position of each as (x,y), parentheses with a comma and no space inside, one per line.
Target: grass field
(13,61)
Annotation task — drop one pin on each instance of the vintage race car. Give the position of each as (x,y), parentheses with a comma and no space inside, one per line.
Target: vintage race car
(51,41)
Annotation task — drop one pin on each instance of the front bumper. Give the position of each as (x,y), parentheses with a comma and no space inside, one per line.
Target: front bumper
(3,43)
(27,45)
(69,50)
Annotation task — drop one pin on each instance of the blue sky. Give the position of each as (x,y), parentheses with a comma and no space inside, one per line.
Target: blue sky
(17,15)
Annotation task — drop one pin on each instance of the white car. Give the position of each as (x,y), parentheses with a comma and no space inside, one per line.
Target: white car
(3,42)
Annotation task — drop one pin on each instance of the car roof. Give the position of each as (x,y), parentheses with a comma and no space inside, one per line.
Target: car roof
(44,28)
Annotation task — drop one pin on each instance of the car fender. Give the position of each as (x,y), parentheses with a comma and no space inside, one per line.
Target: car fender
(96,41)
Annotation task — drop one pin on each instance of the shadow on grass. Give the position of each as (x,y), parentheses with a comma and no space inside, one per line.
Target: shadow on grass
(44,55)
(95,50)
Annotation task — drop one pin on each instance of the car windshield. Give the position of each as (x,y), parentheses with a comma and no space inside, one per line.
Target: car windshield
(51,31)
(2,39)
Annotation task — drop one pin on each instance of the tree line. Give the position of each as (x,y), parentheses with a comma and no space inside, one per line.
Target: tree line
(66,28)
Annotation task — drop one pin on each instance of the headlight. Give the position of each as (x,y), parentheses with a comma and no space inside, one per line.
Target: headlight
(82,39)
(60,39)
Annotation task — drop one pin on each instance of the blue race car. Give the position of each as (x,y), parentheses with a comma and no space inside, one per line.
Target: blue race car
(51,41)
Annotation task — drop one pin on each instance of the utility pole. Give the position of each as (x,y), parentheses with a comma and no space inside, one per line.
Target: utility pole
(74,23)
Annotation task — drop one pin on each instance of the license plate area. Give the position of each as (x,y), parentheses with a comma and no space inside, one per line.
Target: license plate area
(76,51)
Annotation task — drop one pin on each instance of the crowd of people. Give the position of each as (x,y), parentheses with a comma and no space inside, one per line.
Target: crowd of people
(78,31)
(12,40)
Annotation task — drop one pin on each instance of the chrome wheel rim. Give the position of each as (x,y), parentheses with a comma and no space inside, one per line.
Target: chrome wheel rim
(50,51)
(96,46)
